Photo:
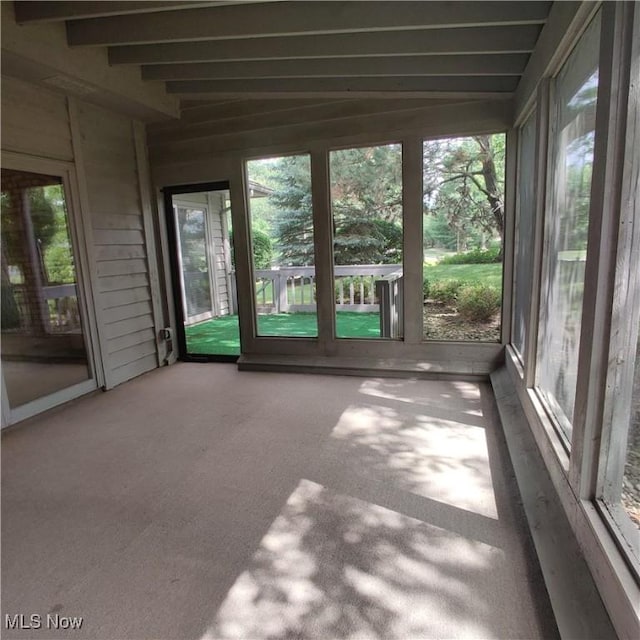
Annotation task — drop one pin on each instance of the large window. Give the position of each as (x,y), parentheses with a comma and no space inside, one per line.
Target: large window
(566,227)
(283,253)
(463,229)
(524,236)
(366,205)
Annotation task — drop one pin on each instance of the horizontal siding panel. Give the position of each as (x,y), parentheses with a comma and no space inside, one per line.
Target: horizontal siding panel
(128,326)
(120,298)
(118,252)
(123,282)
(25,140)
(121,267)
(108,197)
(35,121)
(98,123)
(145,364)
(127,311)
(118,169)
(111,169)
(118,236)
(131,339)
(117,221)
(131,354)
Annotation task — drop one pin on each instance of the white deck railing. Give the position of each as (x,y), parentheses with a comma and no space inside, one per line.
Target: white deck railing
(292,289)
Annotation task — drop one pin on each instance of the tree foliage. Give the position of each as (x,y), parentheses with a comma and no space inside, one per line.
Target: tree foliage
(463,200)
(463,182)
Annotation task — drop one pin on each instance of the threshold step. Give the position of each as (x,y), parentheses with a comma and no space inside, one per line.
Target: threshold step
(379,367)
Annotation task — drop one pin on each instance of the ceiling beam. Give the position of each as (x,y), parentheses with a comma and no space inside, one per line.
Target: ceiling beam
(472,65)
(298,18)
(46,11)
(350,87)
(519,39)
(163,133)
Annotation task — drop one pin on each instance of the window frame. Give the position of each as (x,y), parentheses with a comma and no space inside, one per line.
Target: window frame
(578,479)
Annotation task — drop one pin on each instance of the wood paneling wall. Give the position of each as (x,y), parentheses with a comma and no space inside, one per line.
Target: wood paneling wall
(124,296)
(102,146)
(35,121)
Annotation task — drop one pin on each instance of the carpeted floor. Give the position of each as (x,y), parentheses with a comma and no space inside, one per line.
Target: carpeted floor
(198,502)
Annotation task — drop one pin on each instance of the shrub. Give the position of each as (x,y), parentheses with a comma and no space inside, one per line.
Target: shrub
(477,256)
(478,302)
(445,291)
(425,287)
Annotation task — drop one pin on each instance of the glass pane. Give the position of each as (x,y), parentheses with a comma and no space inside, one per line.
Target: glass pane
(463,226)
(194,260)
(207,273)
(281,218)
(366,204)
(525,216)
(567,222)
(43,348)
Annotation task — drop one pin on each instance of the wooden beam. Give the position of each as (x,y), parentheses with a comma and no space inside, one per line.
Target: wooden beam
(238,108)
(42,50)
(47,11)
(246,110)
(178,131)
(518,39)
(299,18)
(471,65)
(464,118)
(348,86)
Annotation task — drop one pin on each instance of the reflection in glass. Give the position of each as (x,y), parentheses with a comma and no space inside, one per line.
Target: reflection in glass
(567,224)
(523,249)
(43,348)
(194,259)
(281,218)
(631,475)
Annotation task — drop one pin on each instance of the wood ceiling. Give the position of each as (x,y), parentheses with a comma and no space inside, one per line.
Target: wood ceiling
(214,51)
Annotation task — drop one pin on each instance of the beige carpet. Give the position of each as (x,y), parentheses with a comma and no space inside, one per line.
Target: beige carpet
(198,502)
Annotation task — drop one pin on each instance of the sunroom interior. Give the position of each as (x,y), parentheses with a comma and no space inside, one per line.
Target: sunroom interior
(428,208)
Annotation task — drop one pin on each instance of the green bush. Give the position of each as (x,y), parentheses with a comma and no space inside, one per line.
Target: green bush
(477,256)
(446,291)
(425,287)
(478,302)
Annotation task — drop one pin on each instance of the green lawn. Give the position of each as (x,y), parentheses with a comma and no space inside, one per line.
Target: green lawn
(220,336)
(484,273)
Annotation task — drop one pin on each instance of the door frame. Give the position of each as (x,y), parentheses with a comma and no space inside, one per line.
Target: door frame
(175,265)
(82,254)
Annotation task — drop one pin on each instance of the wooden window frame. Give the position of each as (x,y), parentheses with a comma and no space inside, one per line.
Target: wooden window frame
(579,480)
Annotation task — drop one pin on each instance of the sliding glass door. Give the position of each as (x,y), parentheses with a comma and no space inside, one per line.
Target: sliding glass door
(44,349)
